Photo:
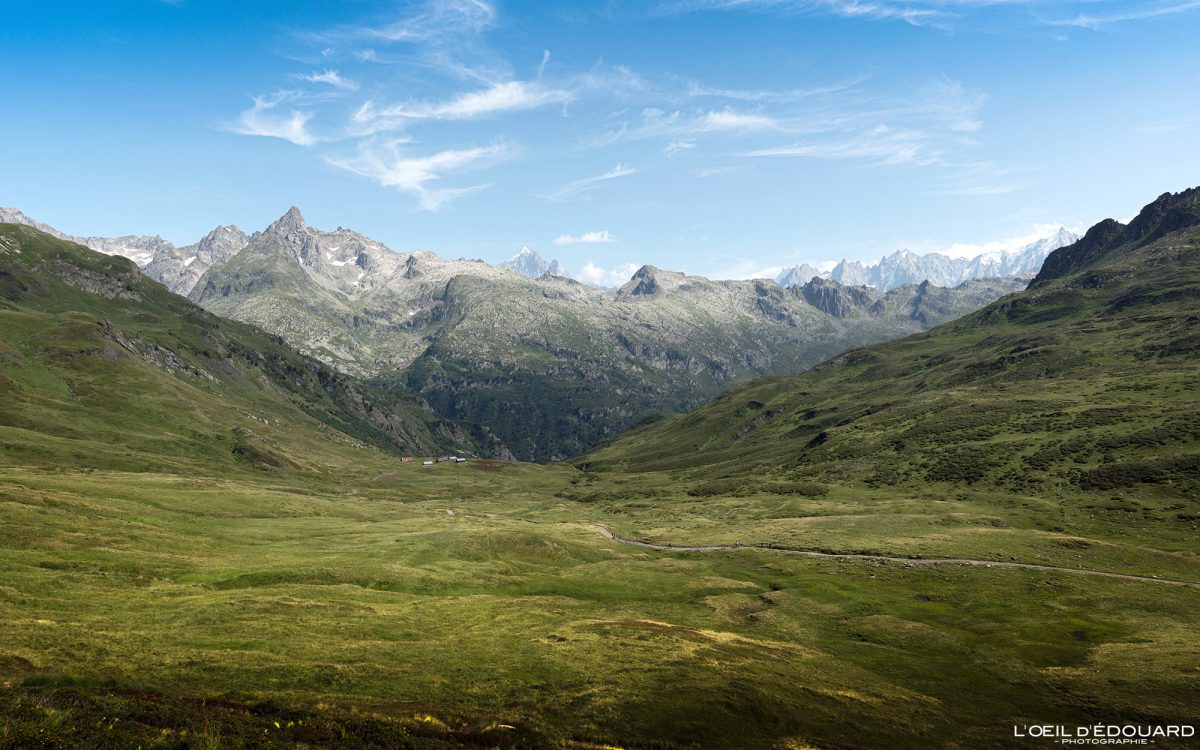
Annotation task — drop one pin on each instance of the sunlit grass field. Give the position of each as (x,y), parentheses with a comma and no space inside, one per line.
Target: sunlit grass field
(479,605)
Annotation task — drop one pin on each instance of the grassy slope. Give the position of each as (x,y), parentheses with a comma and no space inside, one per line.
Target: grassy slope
(341,596)
(1069,408)
(103,367)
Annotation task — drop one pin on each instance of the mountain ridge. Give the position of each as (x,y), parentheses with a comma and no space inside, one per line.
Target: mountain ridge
(537,359)
(905,267)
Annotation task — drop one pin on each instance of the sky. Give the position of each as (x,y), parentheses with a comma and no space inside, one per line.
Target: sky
(726,138)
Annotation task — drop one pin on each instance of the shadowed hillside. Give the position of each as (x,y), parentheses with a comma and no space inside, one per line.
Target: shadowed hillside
(104,367)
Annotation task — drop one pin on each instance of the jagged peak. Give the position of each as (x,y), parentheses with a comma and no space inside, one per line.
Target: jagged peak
(225,230)
(291,220)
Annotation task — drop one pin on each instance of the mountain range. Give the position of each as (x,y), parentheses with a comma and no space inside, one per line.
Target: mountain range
(531,354)
(905,267)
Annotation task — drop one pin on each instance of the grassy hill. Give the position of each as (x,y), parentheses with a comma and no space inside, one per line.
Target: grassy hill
(1084,385)
(104,368)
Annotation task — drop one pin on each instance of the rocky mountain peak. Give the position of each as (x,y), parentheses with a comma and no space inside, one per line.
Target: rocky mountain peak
(292,221)
(529,263)
(221,240)
(1167,214)
(644,282)
(1170,212)
(798,275)
(834,298)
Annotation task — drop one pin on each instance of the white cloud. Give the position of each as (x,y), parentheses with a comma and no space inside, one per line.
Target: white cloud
(747,269)
(971,250)
(331,77)
(439,18)
(657,123)
(577,187)
(263,119)
(1155,10)
(388,164)
(502,97)
(915,13)
(607,278)
(698,90)
(511,96)
(587,238)
(729,119)
(674,147)
(944,13)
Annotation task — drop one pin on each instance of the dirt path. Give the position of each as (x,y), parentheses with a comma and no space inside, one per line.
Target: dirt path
(908,561)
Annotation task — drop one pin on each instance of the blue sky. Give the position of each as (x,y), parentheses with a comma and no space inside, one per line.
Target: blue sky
(720,137)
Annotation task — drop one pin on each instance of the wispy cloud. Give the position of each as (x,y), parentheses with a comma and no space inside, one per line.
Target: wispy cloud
(682,126)
(576,188)
(438,18)
(674,147)
(1168,126)
(264,119)
(880,144)
(1136,13)
(946,14)
(587,238)
(698,90)
(510,96)
(917,14)
(983,178)
(391,165)
(331,77)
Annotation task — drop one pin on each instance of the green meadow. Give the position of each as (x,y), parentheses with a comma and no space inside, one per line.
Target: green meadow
(478,605)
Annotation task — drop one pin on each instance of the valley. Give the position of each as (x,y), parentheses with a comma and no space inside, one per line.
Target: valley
(921,543)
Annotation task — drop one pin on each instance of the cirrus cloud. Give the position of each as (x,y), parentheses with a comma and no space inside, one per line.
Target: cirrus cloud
(391,165)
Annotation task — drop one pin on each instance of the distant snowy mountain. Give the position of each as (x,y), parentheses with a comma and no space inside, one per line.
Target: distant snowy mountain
(139,249)
(799,275)
(905,267)
(529,263)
